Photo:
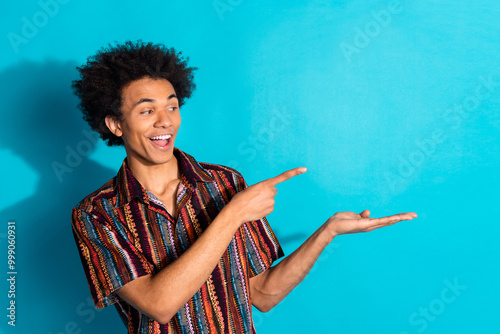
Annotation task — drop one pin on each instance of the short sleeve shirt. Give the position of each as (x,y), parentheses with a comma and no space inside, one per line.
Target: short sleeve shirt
(123,232)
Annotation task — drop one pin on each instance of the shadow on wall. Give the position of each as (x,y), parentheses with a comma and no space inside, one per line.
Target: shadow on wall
(42,126)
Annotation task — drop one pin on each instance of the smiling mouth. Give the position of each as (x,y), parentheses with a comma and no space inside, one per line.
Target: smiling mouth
(161,141)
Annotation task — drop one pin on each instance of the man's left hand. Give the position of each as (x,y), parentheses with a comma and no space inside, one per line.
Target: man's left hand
(349,222)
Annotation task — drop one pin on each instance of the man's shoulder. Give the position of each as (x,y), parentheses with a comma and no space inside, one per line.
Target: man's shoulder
(224,176)
(106,192)
(221,169)
(203,171)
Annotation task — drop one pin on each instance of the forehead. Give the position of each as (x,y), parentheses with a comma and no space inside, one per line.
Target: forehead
(147,88)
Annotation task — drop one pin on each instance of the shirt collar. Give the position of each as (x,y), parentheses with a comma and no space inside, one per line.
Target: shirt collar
(128,187)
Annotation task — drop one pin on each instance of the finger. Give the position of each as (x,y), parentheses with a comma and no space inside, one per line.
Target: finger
(365,214)
(286,175)
(384,221)
(407,215)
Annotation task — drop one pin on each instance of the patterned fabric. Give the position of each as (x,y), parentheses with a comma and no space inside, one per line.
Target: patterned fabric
(123,232)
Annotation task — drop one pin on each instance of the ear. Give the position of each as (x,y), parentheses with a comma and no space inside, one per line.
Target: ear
(113,125)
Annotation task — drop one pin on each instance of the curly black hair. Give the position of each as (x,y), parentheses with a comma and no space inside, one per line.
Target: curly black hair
(105,74)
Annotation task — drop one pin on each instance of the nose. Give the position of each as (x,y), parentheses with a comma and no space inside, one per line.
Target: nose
(163,119)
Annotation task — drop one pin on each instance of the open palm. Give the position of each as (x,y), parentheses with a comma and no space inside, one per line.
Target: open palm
(346,222)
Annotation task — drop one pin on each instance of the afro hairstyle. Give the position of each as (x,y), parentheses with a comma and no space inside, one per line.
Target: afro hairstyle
(105,74)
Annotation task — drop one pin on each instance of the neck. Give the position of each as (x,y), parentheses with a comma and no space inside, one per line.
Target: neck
(155,178)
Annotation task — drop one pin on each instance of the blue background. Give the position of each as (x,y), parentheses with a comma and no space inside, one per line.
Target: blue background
(392,106)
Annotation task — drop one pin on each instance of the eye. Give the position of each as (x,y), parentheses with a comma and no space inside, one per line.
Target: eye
(173,108)
(147,112)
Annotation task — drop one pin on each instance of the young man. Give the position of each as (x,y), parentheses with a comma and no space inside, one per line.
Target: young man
(180,246)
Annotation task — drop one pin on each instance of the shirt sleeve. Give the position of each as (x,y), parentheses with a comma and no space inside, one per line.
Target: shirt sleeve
(109,257)
(262,246)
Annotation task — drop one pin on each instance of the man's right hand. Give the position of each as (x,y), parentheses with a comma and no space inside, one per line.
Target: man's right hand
(257,200)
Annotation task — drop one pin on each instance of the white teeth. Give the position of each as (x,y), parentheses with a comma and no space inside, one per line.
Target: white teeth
(161,137)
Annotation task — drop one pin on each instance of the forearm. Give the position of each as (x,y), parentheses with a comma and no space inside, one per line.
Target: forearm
(160,296)
(270,287)
(274,284)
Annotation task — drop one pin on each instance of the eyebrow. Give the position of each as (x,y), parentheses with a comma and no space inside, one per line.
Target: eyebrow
(153,100)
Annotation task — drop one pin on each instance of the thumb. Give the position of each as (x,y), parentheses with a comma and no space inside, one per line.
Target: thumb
(365,214)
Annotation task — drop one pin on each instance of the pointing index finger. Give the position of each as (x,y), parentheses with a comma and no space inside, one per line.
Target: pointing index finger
(286,175)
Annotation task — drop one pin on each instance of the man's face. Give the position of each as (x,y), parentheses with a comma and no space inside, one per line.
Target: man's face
(150,120)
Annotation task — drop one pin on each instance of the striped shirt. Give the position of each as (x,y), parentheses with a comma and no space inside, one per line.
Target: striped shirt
(124,232)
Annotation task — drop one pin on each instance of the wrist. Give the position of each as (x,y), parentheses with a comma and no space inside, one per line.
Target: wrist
(328,232)
(232,215)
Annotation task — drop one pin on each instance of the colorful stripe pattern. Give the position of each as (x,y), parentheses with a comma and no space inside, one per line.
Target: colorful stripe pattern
(123,232)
